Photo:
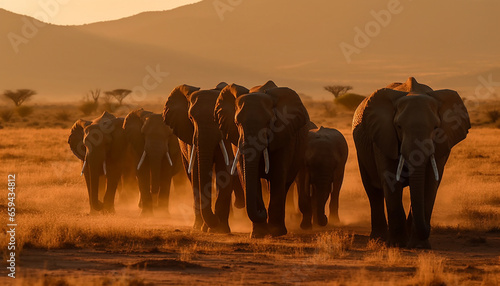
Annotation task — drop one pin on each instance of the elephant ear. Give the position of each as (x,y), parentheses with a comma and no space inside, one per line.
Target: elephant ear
(175,113)
(262,88)
(75,139)
(454,117)
(377,114)
(290,115)
(225,110)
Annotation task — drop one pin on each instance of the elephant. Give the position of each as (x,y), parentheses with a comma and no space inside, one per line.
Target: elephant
(321,176)
(189,111)
(403,136)
(100,145)
(269,128)
(156,156)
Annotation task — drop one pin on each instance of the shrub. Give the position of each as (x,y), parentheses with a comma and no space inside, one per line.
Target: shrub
(24,111)
(63,115)
(493,115)
(6,115)
(330,110)
(349,100)
(88,107)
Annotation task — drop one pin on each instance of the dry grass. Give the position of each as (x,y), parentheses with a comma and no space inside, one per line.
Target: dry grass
(52,208)
(334,245)
(430,271)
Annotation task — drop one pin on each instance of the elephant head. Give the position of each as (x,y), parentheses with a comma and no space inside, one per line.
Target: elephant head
(418,126)
(189,112)
(265,121)
(262,88)
(99,144)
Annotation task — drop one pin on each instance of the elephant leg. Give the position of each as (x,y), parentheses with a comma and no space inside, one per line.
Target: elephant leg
(338,178)
(224,192)
(260,230)
(113,178)
(86,174)
(305,202)
(198,220)
(276,220)
(396,216)
(376,198)
(144,180)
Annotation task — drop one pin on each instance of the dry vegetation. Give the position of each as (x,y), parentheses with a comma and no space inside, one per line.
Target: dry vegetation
(61,244)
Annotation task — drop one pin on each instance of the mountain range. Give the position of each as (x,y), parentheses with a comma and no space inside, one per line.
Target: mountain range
(301,44)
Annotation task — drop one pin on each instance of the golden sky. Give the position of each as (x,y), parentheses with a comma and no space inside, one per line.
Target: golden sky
(75,12)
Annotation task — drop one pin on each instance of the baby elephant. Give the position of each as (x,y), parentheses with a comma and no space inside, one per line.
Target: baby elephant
(321,176)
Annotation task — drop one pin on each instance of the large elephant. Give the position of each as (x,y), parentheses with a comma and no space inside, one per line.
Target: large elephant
(403,136)
(189,112)
(270,129)
(156,157)
(100,145)
(321,176)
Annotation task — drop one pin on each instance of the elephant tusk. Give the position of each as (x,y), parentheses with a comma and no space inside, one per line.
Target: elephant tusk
(434,167)
(400,167)
(83,168)
(104,167)
(266,160)
(235,162)
(142,160)
(190,168)
(169,159)
(224,152)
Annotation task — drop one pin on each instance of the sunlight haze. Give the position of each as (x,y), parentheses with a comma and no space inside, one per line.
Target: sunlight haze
(77,12)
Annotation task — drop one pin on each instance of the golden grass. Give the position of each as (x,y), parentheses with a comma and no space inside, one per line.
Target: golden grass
(52,213)
(333,245)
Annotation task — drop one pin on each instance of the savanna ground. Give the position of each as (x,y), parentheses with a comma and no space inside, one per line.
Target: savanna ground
(59,243)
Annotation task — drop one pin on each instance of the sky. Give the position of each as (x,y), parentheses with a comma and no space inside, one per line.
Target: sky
(77,12)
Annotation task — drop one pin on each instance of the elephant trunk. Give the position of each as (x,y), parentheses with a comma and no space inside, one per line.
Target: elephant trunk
(155,163)
(417,191)
(95,171)
(206,147)
(253,190)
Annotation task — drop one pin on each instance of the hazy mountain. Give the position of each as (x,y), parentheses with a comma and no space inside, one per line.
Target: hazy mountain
(298,43)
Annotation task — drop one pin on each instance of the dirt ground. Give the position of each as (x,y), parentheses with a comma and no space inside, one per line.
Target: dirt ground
(213,259)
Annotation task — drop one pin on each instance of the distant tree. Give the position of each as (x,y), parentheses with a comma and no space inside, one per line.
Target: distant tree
(19,96)
(119,94)
(337,90)
(95,94)
(349,100)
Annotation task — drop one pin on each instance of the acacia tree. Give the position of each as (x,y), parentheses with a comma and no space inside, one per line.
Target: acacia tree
(337,90)
(95,94)
(19,96)
(119,94)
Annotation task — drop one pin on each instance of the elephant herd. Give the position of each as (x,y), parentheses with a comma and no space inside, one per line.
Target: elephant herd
(235,140)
